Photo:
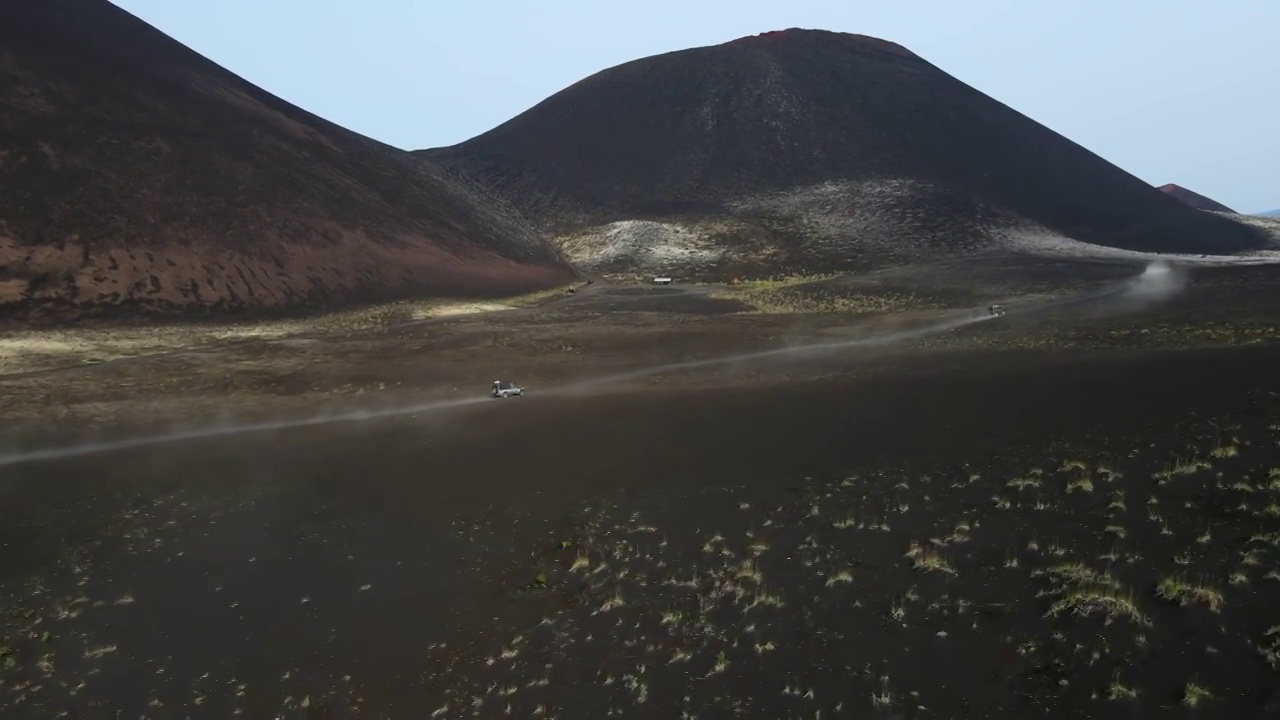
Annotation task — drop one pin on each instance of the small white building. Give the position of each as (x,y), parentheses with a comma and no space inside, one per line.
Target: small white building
(662,281)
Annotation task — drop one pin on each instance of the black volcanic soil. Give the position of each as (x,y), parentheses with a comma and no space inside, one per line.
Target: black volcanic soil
(687,134)
(967,532)
(1194,199)
(138,178)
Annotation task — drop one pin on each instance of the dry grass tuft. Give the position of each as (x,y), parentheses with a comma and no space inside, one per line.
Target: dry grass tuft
(1087,599)
(1269,648)
(1184,593)
(929,558)
(1195,694)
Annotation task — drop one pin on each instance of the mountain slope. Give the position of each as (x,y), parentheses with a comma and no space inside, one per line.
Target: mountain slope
(806,149)
(1270,213)
(137,177)
(1195,200)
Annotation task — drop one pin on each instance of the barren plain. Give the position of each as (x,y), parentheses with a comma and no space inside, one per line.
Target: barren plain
(792,497)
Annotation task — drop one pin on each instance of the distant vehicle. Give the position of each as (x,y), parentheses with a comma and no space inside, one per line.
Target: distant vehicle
(503,389)
(662,281)
(995,311)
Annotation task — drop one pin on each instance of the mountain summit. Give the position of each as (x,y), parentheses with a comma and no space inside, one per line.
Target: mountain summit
(1195,200)
(812,150)
(138,177)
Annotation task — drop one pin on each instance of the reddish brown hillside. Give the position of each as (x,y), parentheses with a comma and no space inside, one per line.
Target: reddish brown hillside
(1195,200)
(138,178)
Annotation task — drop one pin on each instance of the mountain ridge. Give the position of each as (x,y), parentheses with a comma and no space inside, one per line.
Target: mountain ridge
(1194,199)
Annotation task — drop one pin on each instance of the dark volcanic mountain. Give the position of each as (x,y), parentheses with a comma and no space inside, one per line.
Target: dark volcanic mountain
(135,175)
(808,150)
(1195,200)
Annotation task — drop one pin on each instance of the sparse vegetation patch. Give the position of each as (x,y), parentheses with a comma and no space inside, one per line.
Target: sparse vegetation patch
(1074,561)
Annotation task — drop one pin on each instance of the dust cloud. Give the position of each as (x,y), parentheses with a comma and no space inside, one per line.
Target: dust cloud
(1159,282)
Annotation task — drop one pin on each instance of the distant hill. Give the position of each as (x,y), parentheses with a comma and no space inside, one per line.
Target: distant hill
(807,150)
(1270,213)
(138,178)
(1195,200)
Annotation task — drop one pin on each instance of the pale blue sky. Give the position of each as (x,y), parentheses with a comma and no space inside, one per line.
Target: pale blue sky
(1173,91)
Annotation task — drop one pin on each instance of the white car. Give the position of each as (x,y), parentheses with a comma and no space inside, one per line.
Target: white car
(505,389)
